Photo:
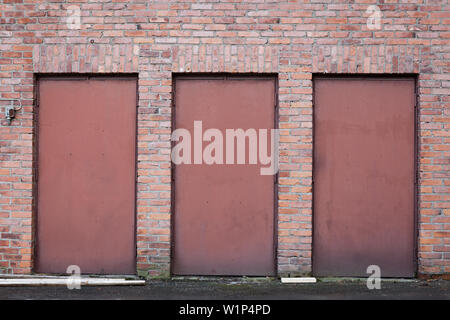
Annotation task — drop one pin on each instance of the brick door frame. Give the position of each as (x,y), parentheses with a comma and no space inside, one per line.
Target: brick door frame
(295,64)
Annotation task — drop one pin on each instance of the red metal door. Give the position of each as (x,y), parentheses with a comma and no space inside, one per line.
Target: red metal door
(224,213)
(86,175)
(364,169)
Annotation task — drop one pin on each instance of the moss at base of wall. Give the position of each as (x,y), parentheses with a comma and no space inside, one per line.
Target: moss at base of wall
(153,274)
(425,276)
(294,274)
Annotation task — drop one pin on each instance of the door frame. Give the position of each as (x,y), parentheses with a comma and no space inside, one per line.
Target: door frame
(221,76)
(391,77)
(37,77)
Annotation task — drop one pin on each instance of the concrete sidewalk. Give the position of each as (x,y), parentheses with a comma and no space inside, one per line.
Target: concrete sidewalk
(242,288)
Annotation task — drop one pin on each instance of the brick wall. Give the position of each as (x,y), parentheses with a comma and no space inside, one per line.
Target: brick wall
(292,38)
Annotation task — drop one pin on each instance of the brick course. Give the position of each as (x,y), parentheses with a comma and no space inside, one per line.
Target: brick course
(291,38)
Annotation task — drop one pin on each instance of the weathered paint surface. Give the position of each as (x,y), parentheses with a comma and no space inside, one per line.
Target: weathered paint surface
(86,175)
(364,177)
(224,214)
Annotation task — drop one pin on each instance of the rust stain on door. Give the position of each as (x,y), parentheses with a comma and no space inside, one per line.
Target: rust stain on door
(224,214)
(364,176)
(86,175)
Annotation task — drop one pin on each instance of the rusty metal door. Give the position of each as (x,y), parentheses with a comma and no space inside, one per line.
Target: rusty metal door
(86,175)
(223,213)
(364,176)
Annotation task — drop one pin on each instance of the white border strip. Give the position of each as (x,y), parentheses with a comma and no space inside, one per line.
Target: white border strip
(63,281)
(299,280)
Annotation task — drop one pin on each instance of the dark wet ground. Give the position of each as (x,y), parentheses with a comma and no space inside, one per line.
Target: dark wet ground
(237,289)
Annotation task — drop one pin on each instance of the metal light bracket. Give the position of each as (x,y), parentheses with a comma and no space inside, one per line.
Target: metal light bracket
(10,111)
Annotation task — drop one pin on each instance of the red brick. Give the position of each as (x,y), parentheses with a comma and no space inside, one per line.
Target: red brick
(293,40)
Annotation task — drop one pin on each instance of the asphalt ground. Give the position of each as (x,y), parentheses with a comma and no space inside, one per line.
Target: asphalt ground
(240,289)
